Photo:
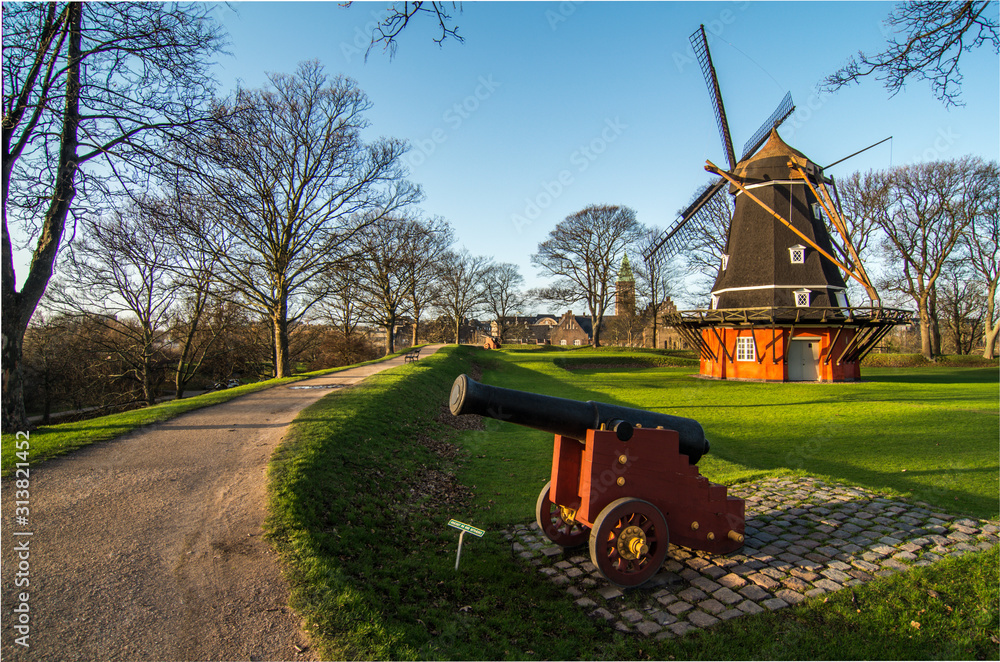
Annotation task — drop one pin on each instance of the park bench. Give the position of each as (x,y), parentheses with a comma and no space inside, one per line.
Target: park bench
(412,355)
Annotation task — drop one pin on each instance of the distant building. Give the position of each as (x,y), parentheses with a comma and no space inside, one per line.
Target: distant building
(572,330)
(625,290)
(526,329)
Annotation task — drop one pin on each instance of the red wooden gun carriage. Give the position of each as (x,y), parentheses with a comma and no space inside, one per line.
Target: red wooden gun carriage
(623,479)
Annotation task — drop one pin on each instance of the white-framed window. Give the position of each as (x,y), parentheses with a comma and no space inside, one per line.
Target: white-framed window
(802,298)
(725,262)
(576,342)
(744,349)
(562,342)
(797,254)
(817,211)
(715,301)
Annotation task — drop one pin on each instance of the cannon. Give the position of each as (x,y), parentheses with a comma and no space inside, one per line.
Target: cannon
(623,479)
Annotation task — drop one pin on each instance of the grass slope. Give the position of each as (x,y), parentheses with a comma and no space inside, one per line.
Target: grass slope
(360,500)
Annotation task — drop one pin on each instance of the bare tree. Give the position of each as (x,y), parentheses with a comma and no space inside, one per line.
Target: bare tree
(863,198)
(67,365)
(343,307)
(960,306)
(426,251)
(462,286)
(503,295)
(85,83)
(934,36)
(583,253)
(293,183)
(183,220)
(382,273)
(930,210)
(120,273)
(981,244)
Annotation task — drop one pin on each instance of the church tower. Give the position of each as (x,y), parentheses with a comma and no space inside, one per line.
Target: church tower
(625,290)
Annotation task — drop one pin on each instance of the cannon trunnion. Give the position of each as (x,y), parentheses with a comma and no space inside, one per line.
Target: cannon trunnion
(623,480)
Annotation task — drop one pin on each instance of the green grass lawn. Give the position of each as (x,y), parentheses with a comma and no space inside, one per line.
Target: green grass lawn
(362,490)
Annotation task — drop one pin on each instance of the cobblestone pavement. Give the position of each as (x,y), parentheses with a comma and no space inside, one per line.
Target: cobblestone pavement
(804,538)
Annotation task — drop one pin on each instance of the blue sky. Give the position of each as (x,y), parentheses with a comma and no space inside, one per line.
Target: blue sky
(549,107)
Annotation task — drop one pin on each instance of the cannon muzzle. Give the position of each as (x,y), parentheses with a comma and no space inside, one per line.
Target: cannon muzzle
(569,418)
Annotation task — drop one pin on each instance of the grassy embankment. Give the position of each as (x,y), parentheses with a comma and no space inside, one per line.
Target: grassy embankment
(48,441)
(361,496)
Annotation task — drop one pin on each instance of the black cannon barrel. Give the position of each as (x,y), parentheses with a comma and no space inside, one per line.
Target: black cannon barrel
(569,418)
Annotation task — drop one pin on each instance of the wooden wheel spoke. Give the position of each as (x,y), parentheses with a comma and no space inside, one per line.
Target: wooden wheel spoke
(629,567)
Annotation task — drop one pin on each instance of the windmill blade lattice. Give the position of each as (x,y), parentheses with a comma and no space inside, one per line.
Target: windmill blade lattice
(700,44)
(780,114)
(682,233)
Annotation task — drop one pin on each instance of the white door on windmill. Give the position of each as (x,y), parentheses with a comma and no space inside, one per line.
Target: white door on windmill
(803,360)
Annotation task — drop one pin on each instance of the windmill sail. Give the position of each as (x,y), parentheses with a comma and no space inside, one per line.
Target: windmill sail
(700,43)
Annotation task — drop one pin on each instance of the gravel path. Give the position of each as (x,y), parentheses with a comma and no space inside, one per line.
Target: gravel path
(149,547)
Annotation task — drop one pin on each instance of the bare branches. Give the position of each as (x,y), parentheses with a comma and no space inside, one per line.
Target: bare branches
(400,15)
(934,36)
(709,232)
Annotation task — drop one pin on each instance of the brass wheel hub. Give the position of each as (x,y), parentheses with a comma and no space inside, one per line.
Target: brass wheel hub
(568,514)
(632,543)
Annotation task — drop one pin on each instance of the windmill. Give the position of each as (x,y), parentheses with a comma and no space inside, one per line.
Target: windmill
(779,304)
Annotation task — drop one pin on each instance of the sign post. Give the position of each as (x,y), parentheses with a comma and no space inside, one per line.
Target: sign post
(464,528)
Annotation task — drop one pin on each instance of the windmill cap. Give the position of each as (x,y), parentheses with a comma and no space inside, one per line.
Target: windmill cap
(771,159)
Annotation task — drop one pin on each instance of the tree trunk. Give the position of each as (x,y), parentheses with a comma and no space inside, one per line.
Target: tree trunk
(17,307)
(148,392)
(390,338)
(595,323)
(990,346)
(935,326)
(926,347)
(458,330)
(282,363)
(416,322)
(990,328)
(14,417)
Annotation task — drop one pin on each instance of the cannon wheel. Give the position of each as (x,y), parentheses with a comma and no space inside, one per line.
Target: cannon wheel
(629,541)
(555,527)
